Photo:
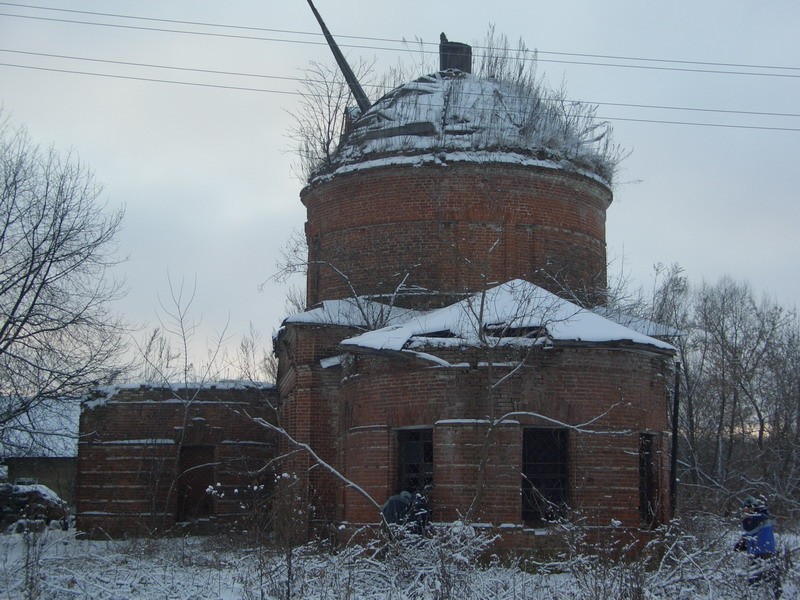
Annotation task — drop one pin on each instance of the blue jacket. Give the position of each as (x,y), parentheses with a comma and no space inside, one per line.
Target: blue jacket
(758,538)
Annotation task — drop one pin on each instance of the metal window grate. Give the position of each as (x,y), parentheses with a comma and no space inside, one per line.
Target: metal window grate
(415,459)
(545,474)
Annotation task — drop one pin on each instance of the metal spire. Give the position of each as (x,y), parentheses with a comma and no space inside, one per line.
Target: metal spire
(355,87)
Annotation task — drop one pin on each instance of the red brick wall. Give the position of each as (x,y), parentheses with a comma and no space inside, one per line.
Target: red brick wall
(368,462)
(439,223)
(476,472)
(309,409)
(617,393)
(129,445)
(450,229)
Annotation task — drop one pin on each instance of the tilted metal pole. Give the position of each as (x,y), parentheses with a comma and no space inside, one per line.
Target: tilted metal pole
(355,87)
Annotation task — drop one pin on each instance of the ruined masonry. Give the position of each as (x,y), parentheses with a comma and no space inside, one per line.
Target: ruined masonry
(455,346)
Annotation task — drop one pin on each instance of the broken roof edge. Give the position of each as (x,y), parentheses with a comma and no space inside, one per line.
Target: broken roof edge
(515,304)
(435,361)
(441,158)
(357,312)
(454,111)
(103,394)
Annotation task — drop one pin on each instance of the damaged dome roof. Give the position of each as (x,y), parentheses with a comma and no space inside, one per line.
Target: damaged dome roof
(456,112)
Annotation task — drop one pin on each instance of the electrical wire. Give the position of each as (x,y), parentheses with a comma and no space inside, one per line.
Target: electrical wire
(311,82)
(392,49)
(376,87)
(298,93)
(154,80)
(391,40)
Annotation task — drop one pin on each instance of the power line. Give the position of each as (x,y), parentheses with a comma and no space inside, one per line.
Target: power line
(296,93)
(154,80)
(687,108)
(154,66)
(723,125)
(201,33)
(378,87)
(395,41)
(391,49)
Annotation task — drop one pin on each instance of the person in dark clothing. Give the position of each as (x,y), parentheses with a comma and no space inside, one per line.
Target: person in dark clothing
(397,508)
(408,509)
(758,540)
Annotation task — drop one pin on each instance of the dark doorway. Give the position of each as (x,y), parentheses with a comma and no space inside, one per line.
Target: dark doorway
(648,482)
(545,474)
(415,459)
(197,473)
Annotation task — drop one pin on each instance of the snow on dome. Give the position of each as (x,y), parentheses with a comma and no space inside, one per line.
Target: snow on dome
(513,306)
(455,112)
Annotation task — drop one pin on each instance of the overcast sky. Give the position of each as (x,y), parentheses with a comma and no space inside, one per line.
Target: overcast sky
(205,173)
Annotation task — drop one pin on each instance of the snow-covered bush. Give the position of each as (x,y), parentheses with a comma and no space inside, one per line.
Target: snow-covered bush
(687,559)
(452,562)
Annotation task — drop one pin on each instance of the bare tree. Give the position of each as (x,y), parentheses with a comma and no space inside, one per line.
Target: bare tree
(738,416)
(252,362)
(321,118)
(58,334)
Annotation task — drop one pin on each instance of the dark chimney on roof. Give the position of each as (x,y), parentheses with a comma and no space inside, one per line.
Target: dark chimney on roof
(454,55)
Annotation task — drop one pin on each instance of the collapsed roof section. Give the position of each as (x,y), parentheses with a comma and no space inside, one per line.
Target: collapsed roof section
(640,324)
(514,313)
(450,113)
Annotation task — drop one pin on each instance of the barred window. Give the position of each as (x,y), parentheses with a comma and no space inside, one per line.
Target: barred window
(415,459)
(545,474)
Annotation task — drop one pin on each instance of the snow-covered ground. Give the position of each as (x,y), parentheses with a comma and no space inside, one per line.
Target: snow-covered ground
(53,564)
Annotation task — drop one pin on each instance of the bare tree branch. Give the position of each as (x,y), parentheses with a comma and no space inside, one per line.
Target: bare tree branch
(58,334)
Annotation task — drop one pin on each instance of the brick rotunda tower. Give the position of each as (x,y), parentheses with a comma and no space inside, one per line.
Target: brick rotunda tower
(447,183)
(456,247)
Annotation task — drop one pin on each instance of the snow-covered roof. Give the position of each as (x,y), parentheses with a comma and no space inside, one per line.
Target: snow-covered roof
(451,112)
(102,395)
(640,324)
(518,311)
(352,312)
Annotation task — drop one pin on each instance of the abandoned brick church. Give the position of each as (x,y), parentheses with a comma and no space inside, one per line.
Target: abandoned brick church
(455,343)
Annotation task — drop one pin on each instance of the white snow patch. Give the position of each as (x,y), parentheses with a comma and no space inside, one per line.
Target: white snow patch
(430,357)
(105,394)
(514,305)
(475,422)
(332,361)
(40,489)
(351,312)
(640,324)
(443,158)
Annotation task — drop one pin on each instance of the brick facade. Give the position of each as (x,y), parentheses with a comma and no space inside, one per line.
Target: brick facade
(433,232)
(449,229)
(605,396)
(145,452)
(445,230)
